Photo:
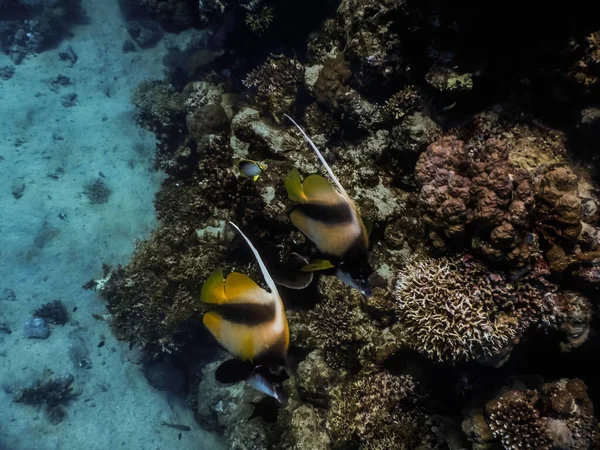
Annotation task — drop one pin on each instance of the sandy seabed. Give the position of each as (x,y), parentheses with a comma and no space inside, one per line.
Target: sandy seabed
(53,240)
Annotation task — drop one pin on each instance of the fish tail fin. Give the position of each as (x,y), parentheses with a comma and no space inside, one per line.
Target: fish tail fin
(320,156)
(263,268)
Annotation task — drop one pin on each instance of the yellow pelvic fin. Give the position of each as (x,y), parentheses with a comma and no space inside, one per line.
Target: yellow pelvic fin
(213,289)
(294,188)
(316,265)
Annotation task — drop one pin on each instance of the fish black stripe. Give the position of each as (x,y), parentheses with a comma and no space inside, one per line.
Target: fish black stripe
(246,313)
(339,213)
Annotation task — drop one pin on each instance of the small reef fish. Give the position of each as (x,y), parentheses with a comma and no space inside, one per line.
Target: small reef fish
(251,324)
(250,169)
(330,219)
(177,426)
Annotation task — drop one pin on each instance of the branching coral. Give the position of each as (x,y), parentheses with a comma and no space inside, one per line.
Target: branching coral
(375,406)
(586,70)
(449,311)
(51,393)
(517,423)
(557,415)
(260,20)
(402,103)
(277,82)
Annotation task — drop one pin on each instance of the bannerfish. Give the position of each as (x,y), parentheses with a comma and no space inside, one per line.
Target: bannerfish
(250,169)
(259,377)
(330,219)
(251,324)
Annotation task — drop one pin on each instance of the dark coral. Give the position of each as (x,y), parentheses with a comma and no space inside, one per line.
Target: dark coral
(32,27)
(52,394)
(375,406)
(277,82)
(555,415)
(476,198)
(97,191)
(558,212)
(53,312)
(173,15)
(373,34)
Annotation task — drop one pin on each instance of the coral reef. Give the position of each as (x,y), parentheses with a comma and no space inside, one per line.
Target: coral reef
(32,27)
(478,196)
(277,82)
(555,415)
(450,310)
(172,15)
(395,96)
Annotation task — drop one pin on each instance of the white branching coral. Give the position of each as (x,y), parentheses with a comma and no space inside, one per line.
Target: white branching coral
(447,308)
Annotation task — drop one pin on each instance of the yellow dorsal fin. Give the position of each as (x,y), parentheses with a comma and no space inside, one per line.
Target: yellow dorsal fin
(241,289)
(294,188)
(213,289)
(318,190)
